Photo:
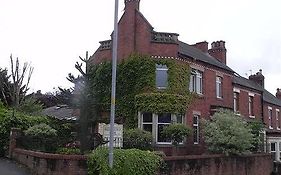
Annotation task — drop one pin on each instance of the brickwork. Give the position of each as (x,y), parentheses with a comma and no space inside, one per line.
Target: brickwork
(51,164)
(220,165)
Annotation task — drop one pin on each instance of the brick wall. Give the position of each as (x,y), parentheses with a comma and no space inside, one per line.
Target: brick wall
(256,164)
(51,164)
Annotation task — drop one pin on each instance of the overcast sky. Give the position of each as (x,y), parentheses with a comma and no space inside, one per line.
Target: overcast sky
(52,34)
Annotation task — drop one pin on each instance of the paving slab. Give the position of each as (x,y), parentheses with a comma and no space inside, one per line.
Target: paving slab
(9,167)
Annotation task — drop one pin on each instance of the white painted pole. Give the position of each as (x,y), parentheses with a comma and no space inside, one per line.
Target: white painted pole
(113,89)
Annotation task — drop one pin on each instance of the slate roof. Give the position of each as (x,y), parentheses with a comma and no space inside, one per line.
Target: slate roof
(267,96)
(197,54)
(62,112)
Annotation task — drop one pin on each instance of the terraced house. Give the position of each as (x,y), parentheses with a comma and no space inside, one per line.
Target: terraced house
(215,84)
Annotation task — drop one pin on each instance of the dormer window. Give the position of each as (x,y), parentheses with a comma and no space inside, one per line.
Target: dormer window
(161,76)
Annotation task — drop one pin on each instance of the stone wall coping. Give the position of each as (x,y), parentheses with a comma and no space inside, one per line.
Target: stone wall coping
(50,155)
(207,156)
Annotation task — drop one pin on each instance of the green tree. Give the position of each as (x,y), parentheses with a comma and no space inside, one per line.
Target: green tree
(228,133)
(83,95)
(5,87)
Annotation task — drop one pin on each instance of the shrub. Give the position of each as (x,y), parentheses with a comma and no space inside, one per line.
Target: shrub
(227,133)
(18,120)
(137,138)
(40,138)
(176,132)
(68,151)
(129,161)
(258,140)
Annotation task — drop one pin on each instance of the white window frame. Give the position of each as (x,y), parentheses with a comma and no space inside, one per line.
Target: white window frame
(270,117)
(160,67)
(196,81)
(219,92)
(155,125)
(146,123)
(236,102)
(251,105)
(196,125)
(278,119)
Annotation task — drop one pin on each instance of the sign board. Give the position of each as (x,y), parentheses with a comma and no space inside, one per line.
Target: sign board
(104,130)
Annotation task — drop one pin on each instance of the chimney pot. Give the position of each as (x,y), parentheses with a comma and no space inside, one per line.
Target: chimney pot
(278,93)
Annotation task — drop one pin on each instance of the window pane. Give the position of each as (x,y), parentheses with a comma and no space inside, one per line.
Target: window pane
(195,119)
(147,117)
(160,136)
(161,76)
(179,119)
(147,127)
(192,83)
(164,118)
(272,147)
(195,134)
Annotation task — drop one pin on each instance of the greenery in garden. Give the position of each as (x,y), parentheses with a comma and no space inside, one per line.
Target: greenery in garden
(228,133)
(257,128)
(176,132)
(70,151)
(137,138)
(40,137)
(136,88)
(126,161)
(18,120)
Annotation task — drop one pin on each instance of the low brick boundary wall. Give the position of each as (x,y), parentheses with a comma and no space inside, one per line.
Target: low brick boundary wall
(51,164)
(252,164)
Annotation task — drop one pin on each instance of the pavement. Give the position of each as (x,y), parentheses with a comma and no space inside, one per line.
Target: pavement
(8,167)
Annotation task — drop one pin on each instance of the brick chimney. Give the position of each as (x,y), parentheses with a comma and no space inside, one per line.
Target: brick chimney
(203,46)
(132,5)
(278,93)
(258,78)
(218,51)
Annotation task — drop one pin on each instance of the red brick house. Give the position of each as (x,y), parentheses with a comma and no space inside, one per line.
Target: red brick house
(216,85)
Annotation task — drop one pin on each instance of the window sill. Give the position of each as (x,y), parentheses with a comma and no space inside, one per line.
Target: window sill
(278,129)
(252,116)
(270,127)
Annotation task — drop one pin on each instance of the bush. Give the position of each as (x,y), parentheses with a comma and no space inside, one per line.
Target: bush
(176,132)
(40,138)
(227,133)
(18,120)
(137,138)
(68,151)
(129,161)
(258,140)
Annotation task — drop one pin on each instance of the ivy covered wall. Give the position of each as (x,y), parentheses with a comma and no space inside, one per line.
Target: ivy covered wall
(136,88)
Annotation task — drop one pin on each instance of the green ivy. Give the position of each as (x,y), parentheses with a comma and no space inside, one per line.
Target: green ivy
(136,87)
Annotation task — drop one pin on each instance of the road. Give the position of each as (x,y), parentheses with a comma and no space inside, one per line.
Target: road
(8,167)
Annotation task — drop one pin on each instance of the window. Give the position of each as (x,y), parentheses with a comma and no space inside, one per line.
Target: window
(196,82)
(273,147)
(236,102)
(270,117)
(163,120)
(219,87)
(251,106)
(147,121)
(161,76)
(155,123)
(278,119)
(195,129)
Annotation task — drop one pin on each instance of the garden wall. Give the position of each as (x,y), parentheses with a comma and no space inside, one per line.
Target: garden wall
(51,164)
(254,164)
